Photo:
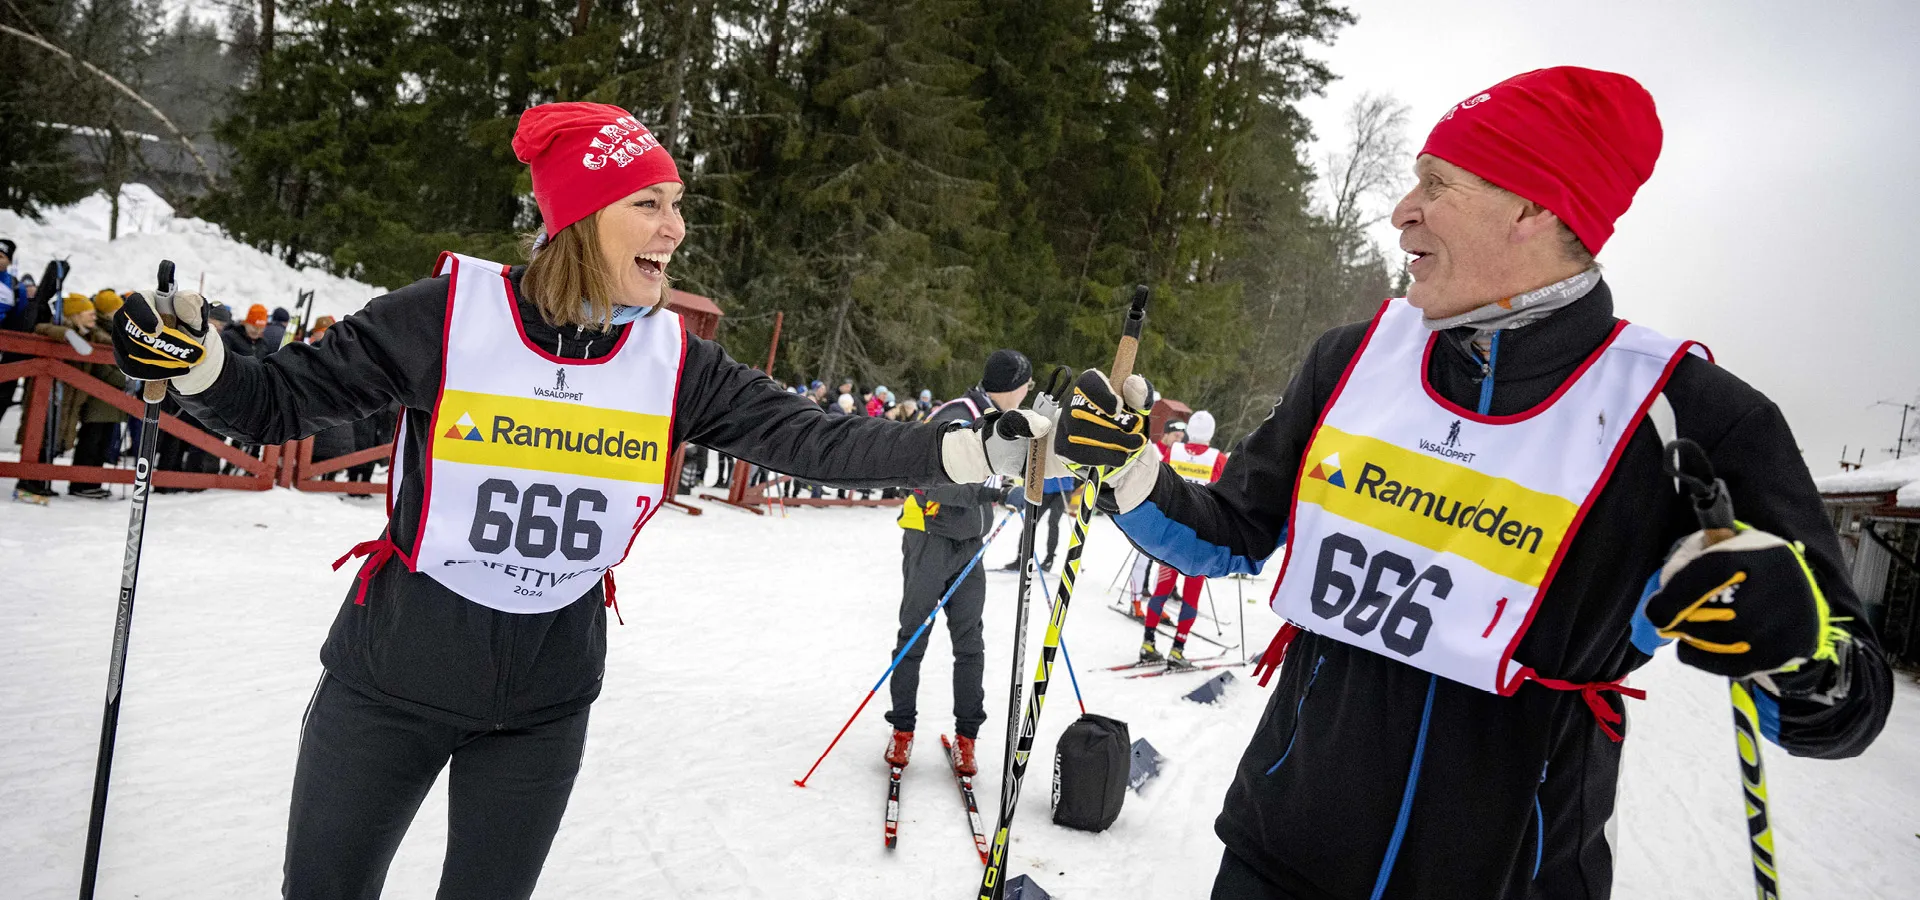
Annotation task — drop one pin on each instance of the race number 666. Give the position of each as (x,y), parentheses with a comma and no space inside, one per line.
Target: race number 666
(1348,585)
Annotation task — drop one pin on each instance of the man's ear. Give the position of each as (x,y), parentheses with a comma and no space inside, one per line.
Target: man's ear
(1531,221)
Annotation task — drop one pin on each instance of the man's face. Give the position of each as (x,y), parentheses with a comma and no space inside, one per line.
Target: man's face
(84,320)
(5,261)
(1461,232)
(254,331)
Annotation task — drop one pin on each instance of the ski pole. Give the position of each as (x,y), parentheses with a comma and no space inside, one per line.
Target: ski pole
(802,780)
(1688,464)
(153,392)
(1064,654)
(992,881)
(1035,495)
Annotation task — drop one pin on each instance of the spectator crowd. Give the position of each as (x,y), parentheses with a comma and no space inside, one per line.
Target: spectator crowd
(98,433)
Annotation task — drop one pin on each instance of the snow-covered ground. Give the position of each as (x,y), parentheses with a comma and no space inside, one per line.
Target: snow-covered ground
(233,273)
(748,641)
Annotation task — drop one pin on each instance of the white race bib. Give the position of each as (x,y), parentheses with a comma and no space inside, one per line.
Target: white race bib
(540,470)
(1427,533)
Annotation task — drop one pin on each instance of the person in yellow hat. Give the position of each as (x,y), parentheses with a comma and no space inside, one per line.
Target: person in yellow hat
(98,421)
(105,304)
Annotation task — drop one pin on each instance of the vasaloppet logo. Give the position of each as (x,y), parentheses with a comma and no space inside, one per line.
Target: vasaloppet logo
(1377,484)
(1449,448)
(593,443)
(559,390)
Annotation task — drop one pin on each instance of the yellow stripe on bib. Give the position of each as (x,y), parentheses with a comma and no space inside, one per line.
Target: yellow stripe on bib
(1506,528)
(1192,469)
(551,436)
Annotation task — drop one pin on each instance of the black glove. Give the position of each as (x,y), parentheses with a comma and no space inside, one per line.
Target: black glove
(1096,435)
(147,348)
(1745,606)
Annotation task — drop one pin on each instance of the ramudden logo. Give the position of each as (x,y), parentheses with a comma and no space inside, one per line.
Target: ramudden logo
(593,443)
(464,430)
(1481,516)
(1329,471)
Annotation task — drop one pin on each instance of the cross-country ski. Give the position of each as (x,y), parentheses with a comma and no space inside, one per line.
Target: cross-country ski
(965,781)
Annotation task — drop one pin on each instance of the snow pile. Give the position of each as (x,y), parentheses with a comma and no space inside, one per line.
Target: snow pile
(748,641)
(236,274)
(1900,477)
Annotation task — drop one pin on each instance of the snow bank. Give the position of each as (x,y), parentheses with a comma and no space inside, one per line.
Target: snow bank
(749,639)
(236,274)
(1894,475)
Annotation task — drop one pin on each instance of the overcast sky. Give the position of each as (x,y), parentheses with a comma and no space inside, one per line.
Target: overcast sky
(1781,225)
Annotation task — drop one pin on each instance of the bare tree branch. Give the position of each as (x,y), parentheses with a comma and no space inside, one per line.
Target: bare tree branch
(205,173)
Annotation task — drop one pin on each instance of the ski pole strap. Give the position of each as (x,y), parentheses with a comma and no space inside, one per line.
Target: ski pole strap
(1603,712)
(377,552)
(1276,652)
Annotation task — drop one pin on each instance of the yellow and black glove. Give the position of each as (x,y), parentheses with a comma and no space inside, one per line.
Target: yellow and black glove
(1745,606)
(152,348)
(1097,434)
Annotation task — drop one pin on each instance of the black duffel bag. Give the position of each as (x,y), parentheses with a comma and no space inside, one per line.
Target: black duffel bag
(1090,768)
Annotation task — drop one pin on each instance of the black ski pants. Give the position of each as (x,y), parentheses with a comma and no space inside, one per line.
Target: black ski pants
(930,564)
(1053,506)
(92,448)
(364,767)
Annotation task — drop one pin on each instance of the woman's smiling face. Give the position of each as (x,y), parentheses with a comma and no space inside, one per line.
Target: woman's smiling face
(638,234)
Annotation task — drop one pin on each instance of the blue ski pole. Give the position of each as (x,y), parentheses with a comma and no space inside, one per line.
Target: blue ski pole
(802,780)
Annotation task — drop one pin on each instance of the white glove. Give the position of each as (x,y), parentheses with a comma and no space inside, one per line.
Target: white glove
(189,310)
(994,445)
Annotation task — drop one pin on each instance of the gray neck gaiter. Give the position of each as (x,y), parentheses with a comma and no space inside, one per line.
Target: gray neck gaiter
(1521,310)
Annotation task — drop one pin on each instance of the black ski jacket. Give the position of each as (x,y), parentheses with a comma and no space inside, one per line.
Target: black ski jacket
(1511,795)
(965,511)
(419,645)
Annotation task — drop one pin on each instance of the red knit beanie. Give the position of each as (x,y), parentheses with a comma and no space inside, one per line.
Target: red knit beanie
(585,156)
(1576,141)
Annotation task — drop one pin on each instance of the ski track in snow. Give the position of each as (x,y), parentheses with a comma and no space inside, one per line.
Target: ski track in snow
(748,641)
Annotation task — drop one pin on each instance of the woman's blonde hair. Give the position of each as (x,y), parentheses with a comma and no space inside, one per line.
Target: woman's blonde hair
(567,279)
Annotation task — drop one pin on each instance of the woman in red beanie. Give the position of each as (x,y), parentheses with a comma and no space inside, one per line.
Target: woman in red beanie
(1482,543)
(542,403)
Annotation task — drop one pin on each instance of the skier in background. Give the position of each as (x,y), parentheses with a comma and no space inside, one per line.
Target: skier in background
(941,531)
(1463,607)
(1193,459)
(474,637)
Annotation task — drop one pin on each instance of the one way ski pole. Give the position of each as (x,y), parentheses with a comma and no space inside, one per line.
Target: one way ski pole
(1687,463)
(153,392)
(1035,494)
(993,880)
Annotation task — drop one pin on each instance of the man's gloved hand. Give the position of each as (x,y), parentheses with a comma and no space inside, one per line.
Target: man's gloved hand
(1100,436)
(1743,607)
(152,344)
(995,444)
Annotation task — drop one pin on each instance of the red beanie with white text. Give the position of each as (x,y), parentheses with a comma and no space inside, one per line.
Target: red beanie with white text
(1577,141)
(585,156)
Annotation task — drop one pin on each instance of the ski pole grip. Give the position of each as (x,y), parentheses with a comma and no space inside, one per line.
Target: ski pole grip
(1129,342)
(1037,469)
(1688,464)
(156,390)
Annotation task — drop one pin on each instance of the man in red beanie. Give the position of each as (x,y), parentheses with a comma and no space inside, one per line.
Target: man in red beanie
(1482,543)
